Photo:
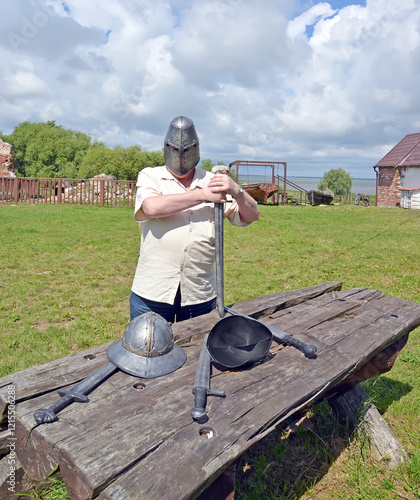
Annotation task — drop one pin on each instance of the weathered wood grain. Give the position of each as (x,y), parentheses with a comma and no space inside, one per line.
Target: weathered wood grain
(115,396)
(249,412)
(257,308)
(12,478)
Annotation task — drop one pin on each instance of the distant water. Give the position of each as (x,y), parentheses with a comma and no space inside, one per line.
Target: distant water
(362,186)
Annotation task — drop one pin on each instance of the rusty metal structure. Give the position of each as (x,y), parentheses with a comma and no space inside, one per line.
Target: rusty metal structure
(276,178)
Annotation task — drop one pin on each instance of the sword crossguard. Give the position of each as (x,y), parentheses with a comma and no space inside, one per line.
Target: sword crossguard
(220,394)
(78,397)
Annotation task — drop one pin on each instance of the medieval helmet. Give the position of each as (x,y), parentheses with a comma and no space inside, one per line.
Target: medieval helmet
(236,341)
(181,150)
(147,348)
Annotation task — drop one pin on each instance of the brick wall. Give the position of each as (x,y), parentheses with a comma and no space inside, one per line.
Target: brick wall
(6,160)
(389,182)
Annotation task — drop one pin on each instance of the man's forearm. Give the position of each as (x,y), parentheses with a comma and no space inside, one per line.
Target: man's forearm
(168,204)
(248,208)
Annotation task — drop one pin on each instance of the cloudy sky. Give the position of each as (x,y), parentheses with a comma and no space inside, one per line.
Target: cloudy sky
(317,84)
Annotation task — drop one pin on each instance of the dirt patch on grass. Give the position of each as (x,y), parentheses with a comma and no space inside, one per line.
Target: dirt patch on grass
(43,326)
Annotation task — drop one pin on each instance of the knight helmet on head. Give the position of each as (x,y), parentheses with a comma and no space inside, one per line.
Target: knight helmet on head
(181,150)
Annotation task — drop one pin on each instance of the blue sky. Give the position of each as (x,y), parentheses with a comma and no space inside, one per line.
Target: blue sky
(317,84)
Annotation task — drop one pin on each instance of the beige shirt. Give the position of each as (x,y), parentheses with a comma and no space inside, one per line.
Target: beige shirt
(178,249)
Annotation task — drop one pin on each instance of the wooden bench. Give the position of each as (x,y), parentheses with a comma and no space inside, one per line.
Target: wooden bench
(136,438)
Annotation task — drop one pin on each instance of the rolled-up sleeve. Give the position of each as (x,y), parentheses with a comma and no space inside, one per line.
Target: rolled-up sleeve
(146,186)
(232,214)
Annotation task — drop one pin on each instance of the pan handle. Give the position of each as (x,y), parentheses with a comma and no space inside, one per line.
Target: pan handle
(282,337)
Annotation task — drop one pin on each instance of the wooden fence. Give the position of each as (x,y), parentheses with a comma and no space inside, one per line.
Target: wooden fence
(101,192)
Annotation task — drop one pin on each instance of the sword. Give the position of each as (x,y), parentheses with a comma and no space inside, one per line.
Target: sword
(282,337)
(201,387)
(218,225)
(76,393)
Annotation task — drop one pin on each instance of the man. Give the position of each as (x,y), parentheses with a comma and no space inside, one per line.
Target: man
(175,275)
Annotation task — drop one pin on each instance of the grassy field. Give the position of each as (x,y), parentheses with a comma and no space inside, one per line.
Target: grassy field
(65,278)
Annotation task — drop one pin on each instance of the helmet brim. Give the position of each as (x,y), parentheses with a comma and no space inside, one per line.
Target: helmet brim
(143,366)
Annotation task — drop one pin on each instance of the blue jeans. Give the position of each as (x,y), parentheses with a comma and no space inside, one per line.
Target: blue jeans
(140,305)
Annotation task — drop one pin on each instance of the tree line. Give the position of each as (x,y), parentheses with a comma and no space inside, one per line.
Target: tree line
(50,150)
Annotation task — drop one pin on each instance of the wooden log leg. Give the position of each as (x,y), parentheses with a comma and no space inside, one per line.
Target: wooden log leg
(353,406)
(224,486)
(13,480)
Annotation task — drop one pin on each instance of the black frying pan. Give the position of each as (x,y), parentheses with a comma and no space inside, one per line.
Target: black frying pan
(236,341)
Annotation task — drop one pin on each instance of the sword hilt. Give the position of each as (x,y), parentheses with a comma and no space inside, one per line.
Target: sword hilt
(76,396)
(199,412)
(48,415)
(281,337)
(45,415)
(76,393)
(308,350)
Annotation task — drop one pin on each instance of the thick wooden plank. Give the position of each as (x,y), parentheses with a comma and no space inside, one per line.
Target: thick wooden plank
(250,410)
(104,447)
(235,416)
(237,422)
(37,451)
(12,478)
(40,442)
(257,308)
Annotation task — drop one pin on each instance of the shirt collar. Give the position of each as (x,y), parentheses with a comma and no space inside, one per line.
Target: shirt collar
(199,176)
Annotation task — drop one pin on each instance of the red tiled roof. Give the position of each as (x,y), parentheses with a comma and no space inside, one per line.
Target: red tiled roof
(405,154)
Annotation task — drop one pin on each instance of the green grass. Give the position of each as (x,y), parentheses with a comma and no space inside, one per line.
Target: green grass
(65,279)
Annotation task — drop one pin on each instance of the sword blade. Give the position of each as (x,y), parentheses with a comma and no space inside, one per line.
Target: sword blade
(218,224)
(201,387)
(202,375)
(91,381)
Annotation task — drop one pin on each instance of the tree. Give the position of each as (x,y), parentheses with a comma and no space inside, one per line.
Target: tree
(207,164)
(122,163)
(47,150)
(338,180)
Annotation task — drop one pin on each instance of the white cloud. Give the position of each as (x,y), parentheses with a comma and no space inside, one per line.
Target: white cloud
(317,13)
(24,84)
(318,87)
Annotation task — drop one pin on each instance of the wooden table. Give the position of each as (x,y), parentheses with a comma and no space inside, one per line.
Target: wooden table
(131,443)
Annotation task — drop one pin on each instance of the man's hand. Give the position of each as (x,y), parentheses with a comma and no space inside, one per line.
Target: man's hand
(222,183)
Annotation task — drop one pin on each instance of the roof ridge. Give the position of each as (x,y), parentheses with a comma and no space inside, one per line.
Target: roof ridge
(402,160)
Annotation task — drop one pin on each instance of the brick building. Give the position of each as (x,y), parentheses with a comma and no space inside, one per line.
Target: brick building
(6,160)
(400,168)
